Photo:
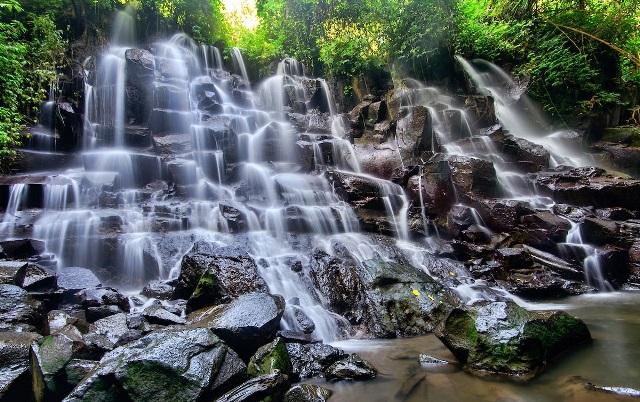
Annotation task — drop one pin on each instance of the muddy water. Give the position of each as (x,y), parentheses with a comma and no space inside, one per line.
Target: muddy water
(612,360)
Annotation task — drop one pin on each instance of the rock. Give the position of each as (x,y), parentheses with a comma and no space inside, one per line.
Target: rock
(73,279)
(24,248)
(258,389)
(15,379)
(353,367)
(429,360)
(514,258)
(229,274)
(268,358)
(40,279)
(528,156)
(302,320)
(589,187)
(295,337)
(49,357)
(58,320)
(172,144)
(103,296)
(599,231)
(175,364)
(158,315)
(544,229)
(12,272)
(108,333)
(169,121)
(76,370)
(505,339)
(473,177)
(310,360)
(436,187)
(386,298)
(307,393)
(246,323)
(157,290)
(19,311)
(357,115)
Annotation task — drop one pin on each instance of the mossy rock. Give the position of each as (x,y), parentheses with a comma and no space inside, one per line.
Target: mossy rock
(505,339)
(629,136)
(270,357)
(207,292)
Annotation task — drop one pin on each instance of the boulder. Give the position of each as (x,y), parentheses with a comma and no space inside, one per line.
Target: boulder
(158,315)
(307,393)
(23,248)
(268,358)
(353,367)
(599,231)
(12,272)
(246,323)
(157,290)
(19,311)
(74,279)
(108,333)
(503,338)
(310,360)
(433,188)
(528,156)
(386,298)
(266,387)
(176,364)
(219,274)
(589,187)
(39,279)
(49,358)
(15,379)
(472,177)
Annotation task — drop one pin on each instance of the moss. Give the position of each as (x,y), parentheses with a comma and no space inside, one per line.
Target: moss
(145,380)
(207,292)
(557,333)
(268,358)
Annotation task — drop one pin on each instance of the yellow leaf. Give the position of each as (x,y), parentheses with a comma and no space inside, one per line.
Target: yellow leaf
(416,293)
(431,297)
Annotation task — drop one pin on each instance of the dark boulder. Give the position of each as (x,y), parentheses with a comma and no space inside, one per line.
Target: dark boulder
(310,360)
(600,231)
(12,272)
(503,338)
(110,332)
(267,387)
(353,367)
(589,187)
(19,311)
(217,274)
(158,315)
(157,290)
(268,358)
(176,364)
(472,177)
(246,323)
(23,248)
(15,379)
(74,279)
(307,393)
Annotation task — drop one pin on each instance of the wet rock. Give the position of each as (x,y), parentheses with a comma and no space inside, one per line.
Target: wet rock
(353,367)
(295,337)
(473,177)
(229,274)
(310,360)
(39,279)
(305,323)
(24,248)
(357,115)
(402,300)
(599,231)
(58,320)
(246,323)
(307,393)
(19,311)
(429,360)
(49,357)
(236,215)
(545,229)
(76,370)
(505,339)
(172,144)
(176,364)
(268,358)
(514,258)
(433,189)
(15,378)
(158,315)
(108,333)
(73,279)
(528,156)
(258,389)
(483,108)
(157,290)
(12,272)
(103,297)
(589,186)
(376,112)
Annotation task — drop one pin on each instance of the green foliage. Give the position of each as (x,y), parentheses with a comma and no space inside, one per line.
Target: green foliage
(29,59)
